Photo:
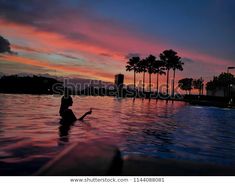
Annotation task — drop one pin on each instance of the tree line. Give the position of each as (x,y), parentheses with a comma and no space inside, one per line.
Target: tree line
(224,81)
(168,61)
(187,84)
(27,84)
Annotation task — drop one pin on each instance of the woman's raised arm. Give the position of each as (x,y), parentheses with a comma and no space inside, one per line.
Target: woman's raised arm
(84,115)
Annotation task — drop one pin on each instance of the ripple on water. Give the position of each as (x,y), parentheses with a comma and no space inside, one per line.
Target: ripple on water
(30,133)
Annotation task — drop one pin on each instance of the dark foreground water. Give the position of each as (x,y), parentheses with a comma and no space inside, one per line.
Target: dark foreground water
(30,134)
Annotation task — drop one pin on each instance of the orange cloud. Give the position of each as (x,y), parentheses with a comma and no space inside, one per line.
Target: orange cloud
(115,47)
(106,50)
(51,42)
(71,69)
(28,49)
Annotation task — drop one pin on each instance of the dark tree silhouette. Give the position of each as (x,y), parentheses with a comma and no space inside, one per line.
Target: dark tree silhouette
(211,85)
(171,61)
(177,65)
(132,65)
(31,85)
(159,70)
(142,68)
(186,84)
(198,84)
(4,45)
(222,81)
(225,79)
(150,61)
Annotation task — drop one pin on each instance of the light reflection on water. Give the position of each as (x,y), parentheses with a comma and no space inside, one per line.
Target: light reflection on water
(30,133)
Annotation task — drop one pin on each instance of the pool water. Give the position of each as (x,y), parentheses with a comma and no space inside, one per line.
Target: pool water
(30,133)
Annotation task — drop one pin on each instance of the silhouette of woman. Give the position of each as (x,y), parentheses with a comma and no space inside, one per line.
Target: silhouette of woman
(66,113)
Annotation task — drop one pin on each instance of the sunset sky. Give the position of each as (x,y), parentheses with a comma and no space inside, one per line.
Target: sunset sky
(93,38)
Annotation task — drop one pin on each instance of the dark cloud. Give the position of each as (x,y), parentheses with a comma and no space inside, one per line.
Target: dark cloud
(187,60)
(55,16)
(44,15)
(11,10)
(76,36)
(4,45)
(25,11)
(28,49)
(47,16)
(39,14)
(130,55)
(68,56)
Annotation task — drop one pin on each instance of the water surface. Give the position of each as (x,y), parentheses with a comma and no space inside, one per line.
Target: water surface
(30,133)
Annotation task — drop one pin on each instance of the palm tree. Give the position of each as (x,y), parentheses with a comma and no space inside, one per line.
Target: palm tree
(198,84)
(159,69)
(177,65)
(150,61)
(142,67)
(132,65)
(171,61)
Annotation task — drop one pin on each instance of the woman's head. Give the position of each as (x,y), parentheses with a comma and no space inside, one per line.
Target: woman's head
(66,101)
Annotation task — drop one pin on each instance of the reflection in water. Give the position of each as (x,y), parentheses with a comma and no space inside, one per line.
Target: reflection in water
(30,131)
(64,133)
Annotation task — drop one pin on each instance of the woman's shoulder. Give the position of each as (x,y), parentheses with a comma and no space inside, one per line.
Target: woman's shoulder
(68,115)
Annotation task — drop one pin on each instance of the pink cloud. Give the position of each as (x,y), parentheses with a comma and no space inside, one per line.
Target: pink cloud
(102,44)
(92,73)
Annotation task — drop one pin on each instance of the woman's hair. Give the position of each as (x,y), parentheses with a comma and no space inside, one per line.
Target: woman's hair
(66,101)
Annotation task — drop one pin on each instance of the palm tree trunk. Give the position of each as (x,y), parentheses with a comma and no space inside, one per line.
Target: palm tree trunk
(173,84)
(134,79)
(143,81)
(150,83)
(167,82)
(157,81)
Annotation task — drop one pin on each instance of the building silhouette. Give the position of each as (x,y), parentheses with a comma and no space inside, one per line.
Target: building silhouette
(119,80)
